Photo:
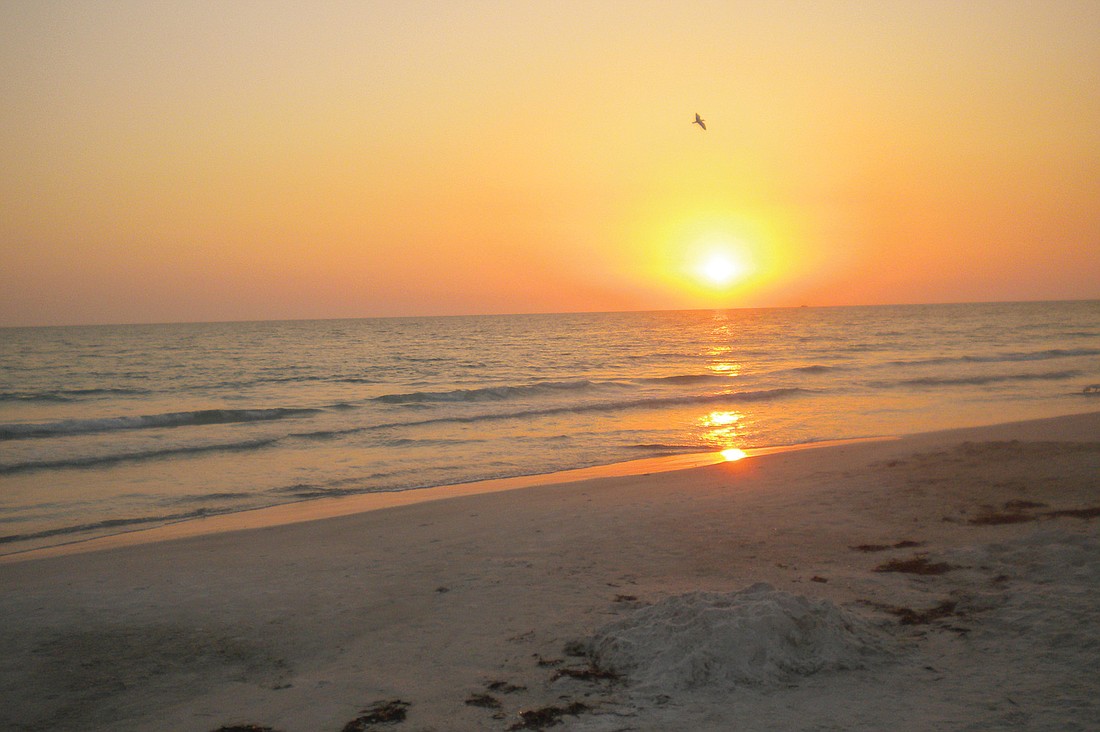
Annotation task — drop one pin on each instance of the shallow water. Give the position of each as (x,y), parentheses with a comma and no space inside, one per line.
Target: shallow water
(110,428)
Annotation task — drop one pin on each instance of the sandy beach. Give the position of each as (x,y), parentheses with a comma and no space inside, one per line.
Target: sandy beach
(941,581)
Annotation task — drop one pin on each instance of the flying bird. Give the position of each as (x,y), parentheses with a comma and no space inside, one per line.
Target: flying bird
(699,121)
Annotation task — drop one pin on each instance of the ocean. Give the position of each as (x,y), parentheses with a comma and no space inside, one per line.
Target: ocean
(105,429)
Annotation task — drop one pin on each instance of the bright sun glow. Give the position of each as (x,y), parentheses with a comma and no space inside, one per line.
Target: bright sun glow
(722,418)
(733,454)
(720,268)
(720,261)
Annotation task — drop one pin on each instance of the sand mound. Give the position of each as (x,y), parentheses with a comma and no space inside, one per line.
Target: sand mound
(755,636)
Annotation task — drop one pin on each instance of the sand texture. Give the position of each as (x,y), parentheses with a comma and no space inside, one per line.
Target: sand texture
(948,581)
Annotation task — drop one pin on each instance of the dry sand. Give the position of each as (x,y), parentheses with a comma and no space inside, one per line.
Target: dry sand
(471,610)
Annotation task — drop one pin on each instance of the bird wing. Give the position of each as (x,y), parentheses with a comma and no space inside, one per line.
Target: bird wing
(702,124)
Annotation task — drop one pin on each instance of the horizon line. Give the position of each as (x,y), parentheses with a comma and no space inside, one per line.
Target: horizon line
(537,313)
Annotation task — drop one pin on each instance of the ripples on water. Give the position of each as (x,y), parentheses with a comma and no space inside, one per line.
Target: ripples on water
(105,428)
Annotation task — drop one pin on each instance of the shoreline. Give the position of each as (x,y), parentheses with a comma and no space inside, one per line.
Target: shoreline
(946,580)
(315,509)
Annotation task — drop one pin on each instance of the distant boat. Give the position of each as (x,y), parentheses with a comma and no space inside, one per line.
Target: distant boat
(1092,389)
(699,121)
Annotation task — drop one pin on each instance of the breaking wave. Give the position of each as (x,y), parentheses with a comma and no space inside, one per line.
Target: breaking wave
(687,379)
(149,421)
(979,380)
(814,369)
(494,393)
(545,388)
(588,407)
(100,461)
(1010,356)
(119,523)
(66,395)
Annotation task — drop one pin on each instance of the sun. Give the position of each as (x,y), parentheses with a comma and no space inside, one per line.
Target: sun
(720,268)
(710,260)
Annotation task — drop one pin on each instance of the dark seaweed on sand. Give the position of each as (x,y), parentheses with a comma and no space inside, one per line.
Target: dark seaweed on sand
(547,716)
(483,700)
(505,688)
(997,518)
(908,616)
(591,672)
(905,544)
(916,565)
(1020,505)
(1014,513)
(1081,513)
(390,711)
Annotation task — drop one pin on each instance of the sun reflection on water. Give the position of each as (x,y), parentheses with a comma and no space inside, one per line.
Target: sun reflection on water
(721,430)
(720,363)
(725,368)
(721,419)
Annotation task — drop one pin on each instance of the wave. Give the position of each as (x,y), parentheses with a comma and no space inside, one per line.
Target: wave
(1010,356)
(299,379)
(660,449)
(626,404)
(761,395)
(685,379)
(65,395)
(491,393)
(102,461)
(688,379)
(606,406)
(815,369)
(505,393)
(112,524)
(811,369)
(986,379)
(149,421)
(226,496)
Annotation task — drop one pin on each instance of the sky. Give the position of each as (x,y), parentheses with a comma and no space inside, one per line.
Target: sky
(199,161)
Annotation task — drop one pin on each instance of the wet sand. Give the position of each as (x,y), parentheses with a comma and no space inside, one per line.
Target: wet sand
(970,556)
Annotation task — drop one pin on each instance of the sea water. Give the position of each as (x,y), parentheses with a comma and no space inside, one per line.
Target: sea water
(114,428)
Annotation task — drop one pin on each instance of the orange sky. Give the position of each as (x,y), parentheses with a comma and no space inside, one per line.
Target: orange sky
(254,160)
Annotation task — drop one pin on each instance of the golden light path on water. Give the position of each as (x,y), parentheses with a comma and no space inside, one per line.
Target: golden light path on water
(721,431)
